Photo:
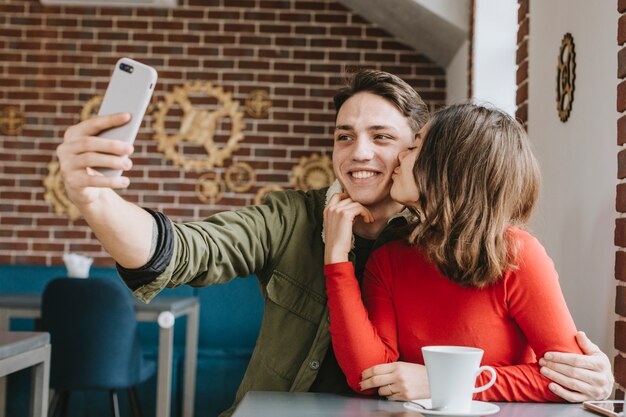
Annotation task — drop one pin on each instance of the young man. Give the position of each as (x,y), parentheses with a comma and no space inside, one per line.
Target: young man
(280,241)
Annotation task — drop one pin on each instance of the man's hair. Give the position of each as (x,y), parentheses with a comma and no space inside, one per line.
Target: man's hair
(476,176)
(389,87)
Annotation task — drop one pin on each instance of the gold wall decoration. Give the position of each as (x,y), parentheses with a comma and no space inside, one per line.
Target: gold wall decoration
(198,126)
(239,177)
(91,108)
(565,77)
(258,104)
(209,188)
(312,173)
(55,193)
(12,121)
(260,195)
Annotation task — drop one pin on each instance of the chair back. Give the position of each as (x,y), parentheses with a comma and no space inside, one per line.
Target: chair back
(93,332)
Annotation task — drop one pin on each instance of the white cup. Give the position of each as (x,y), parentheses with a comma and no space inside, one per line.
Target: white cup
(452,373)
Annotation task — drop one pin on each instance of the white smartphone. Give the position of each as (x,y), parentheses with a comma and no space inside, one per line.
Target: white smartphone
(611,408)
(129,91)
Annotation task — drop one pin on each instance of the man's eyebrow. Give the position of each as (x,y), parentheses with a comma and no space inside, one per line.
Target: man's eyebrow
(381,127)
(370,128)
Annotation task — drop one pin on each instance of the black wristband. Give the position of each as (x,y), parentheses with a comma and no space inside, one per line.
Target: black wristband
(135,278)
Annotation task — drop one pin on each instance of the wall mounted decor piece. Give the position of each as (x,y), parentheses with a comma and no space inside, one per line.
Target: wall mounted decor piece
(209,188)
(258,104)
(55,193)
(91,108)
(12,121)
(198,126)
(260,195)
(239,177)
(313,172)
(565,77)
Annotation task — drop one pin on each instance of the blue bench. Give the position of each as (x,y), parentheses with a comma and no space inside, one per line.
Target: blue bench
(230,317)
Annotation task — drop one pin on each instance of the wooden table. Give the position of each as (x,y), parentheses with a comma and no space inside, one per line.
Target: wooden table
(162,310)
(20,350)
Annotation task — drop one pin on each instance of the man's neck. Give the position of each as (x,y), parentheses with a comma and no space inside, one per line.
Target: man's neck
(382,213)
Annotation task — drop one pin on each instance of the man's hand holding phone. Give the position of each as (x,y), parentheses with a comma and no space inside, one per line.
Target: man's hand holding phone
(82,149)
(95,152)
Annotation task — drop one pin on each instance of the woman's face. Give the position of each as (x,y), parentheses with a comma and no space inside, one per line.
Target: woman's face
(404,189)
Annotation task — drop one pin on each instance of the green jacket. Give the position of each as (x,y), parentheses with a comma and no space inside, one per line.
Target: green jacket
(281,243)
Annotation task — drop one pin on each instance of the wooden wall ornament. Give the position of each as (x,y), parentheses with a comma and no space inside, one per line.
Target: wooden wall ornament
(260,195)
(210,188)
(565,77)
(312,173)
(258,104)
(240,177)
(91,108)
(12,121)
(55,193)
(198,126)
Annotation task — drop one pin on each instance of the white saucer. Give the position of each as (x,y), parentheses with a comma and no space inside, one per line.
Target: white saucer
(478,409)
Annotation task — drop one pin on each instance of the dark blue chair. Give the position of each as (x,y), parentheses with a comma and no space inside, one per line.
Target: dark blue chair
(94,338)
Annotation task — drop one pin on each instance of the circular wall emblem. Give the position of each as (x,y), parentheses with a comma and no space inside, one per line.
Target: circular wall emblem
(565,77)
(55,193)
(258,104)
(198,126)
(91,108)
(240,177)
(260,195)
(209,188)
(11,121)
(312,173)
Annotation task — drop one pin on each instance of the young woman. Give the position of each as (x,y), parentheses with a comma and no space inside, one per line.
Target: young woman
(469,274)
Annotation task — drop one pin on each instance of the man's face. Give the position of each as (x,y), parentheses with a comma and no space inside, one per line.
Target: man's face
(369,134)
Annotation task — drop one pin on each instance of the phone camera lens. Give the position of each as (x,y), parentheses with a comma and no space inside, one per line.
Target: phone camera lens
(126,68)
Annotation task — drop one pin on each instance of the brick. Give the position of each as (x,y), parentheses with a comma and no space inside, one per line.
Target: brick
(621,130)
(620,233)
(621,63)
(521,114)
(620,301)
(294,17)
(523,30)
(621,164)
(621,6)
(620,370)
(621,97)
(521,94)
(620,201)
(621,30)
(522,52)
(620,267)
(523,9)
(522,72)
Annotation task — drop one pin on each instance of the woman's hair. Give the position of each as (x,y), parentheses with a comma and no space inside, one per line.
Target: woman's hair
(389,87)
(476,176)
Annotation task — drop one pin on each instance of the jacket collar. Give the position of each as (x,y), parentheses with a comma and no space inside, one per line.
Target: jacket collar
(336,187)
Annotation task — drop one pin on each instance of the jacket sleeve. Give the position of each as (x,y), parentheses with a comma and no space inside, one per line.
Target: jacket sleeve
(226,245)
(358,342)
(537,305)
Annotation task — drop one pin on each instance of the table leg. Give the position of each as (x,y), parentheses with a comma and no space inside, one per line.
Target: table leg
(191,353)
(40,384)
(164,371)
(4,326)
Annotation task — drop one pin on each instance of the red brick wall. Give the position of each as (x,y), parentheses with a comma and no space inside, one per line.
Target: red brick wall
(620,205)
(53,59)
(521,99)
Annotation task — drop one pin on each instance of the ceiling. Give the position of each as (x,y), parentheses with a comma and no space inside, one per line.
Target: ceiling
(436,28)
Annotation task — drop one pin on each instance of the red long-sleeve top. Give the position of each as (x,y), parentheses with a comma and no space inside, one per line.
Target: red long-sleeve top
(407,303)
